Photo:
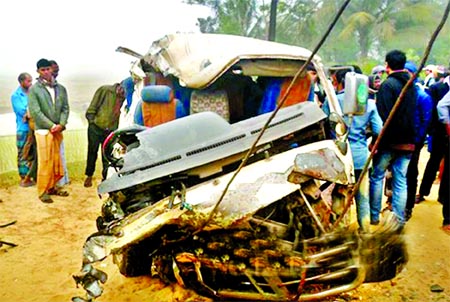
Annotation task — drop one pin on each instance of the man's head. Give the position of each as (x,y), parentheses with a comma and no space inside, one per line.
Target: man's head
(411,67)
(44,69)
(378,70)
(429,69)
(25,80)
(340,75)
(332,71)
(374,81)
(55,68)
(312,72)
(120,90)
(395,60)
(440,73)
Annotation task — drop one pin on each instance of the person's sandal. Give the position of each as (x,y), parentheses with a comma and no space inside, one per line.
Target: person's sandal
(58,192)
(88,182)
(26,183)
(446,228)
(45,198)
(419,199)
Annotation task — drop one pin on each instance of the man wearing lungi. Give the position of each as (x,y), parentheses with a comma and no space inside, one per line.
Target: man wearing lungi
(49,107)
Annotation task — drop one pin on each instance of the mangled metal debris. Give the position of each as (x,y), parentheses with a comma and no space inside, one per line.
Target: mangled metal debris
(7,243)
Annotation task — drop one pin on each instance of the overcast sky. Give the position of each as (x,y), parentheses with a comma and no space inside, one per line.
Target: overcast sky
(82,35)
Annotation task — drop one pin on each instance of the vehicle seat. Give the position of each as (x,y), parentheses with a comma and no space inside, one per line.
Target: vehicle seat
(159,106)
(277,87)
(215,101)
(138,119)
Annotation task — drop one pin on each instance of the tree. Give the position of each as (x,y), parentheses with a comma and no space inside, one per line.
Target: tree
(239,17)
(378,23)
(297,22)
(365,32)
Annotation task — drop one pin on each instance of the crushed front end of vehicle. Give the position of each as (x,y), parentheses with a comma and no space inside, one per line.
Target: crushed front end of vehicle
(273,237)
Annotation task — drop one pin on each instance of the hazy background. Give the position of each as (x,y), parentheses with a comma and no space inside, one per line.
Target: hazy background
(82,37)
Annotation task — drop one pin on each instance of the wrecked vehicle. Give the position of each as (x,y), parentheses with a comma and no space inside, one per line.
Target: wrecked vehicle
(280,230)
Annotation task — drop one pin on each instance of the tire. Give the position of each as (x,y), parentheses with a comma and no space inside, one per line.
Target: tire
(100,222)
(134,260)
(383,255)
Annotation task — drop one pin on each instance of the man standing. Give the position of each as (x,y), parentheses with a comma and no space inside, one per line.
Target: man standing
(443,109)
(49,107)
(65,179)
(19,101)
(397,144)
(424,109)
(438,137)
(55,68)
(429,76)
(357,137)
(103,117)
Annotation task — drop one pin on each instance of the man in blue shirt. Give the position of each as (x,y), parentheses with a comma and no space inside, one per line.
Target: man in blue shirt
(357,138)
(19,101)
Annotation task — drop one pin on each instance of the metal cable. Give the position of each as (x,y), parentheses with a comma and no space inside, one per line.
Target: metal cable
(282,101)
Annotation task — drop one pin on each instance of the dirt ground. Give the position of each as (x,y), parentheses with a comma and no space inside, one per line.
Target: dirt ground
(50,239)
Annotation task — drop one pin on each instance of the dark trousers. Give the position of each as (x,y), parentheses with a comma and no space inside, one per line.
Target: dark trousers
(30,153)
(411,177)
(444,192)
(438,143)
(96,136)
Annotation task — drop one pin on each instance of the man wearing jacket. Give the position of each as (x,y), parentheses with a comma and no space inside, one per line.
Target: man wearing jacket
(49,107)
(443,109)
(424,109)
(398,142)
(437,133)
(103,117)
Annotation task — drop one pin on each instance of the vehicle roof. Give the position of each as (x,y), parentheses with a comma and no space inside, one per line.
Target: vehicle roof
(198,59)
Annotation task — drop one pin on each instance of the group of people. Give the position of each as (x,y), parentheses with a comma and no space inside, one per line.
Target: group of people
(423,111)
(42,112)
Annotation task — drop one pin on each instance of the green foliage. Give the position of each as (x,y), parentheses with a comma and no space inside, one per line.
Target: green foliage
(9,179)
(413,56)
(238,17)
(368,64)
(76,174)
(366,31)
